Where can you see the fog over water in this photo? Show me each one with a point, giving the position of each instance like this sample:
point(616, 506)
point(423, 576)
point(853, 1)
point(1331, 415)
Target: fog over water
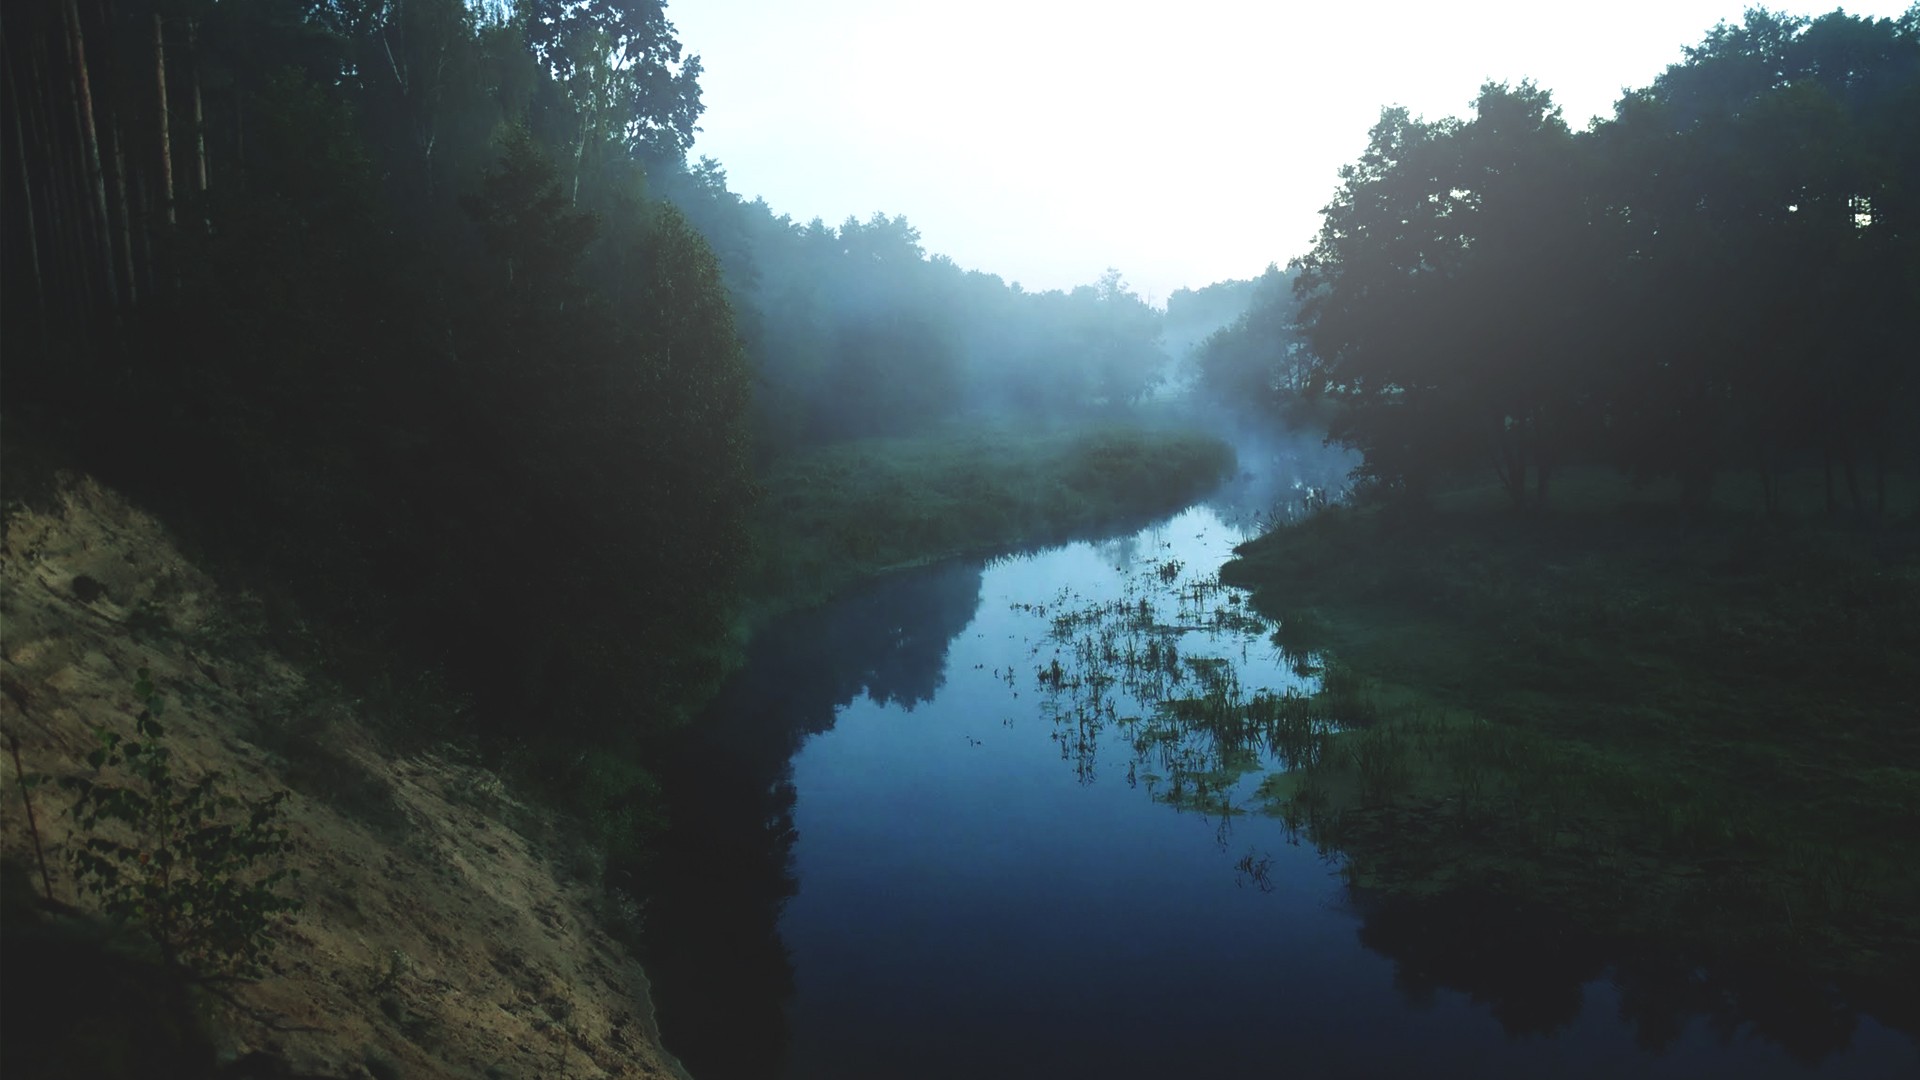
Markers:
point(1039, 538)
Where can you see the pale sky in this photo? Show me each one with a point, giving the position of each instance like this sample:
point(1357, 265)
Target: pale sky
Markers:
point(1181, 141)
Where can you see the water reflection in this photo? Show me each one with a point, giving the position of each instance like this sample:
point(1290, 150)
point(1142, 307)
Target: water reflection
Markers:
point(1284, 477)
point(1533, 972)
point(1025, 843)
point(724, 871)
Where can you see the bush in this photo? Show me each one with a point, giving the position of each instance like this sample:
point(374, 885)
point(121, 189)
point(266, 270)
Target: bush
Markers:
point(192, 867)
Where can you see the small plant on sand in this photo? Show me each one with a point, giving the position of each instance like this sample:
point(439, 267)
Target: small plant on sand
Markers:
point(194, 868)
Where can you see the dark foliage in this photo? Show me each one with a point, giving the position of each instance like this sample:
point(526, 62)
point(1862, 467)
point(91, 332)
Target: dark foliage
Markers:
point(855, 331)
point(371, 302)
point(1726, 275)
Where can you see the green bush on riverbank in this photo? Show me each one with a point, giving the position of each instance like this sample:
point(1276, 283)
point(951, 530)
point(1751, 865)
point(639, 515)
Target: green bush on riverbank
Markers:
point(854, 509)
point(1693, 726)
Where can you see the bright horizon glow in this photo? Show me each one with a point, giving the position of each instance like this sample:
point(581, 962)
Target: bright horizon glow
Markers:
point(1046, 140)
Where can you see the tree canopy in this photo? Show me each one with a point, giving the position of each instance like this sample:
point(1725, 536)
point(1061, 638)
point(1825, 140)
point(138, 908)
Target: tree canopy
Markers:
point(372, 298)
point(856, 330)
point(1723, 274)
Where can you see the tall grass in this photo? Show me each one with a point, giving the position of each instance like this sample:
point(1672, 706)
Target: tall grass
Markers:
point(851, 510)
point(1698, 726)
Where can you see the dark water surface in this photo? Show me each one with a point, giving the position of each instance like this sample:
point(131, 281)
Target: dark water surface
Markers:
point(906, 845)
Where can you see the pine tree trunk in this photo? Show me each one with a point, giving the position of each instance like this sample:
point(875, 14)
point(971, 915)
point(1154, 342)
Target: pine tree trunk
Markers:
point(166, 135)
point(143, 205)
point(199, 115)
point(126, 220)
point(90, 140)
point(43, 135)
point(579, 156)
point(26, 196)
point(81, 218)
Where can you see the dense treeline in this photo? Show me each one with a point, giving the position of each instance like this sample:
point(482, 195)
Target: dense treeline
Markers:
point(855, 331)
point(416, 310)
point(371, 299)
point(1724, 276)
point(1256, 360)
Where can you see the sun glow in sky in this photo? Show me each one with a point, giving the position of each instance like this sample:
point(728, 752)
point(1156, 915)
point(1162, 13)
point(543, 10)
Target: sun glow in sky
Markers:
point(1183, 143)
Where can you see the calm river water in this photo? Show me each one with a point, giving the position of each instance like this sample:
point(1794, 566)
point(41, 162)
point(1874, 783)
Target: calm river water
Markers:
point(906, 845)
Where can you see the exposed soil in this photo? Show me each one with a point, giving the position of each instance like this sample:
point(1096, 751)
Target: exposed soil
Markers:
point(439, 936)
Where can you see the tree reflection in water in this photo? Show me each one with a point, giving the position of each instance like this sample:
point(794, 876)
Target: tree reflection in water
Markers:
point(723, 873)
point(1194, 739)
point(1530, 969)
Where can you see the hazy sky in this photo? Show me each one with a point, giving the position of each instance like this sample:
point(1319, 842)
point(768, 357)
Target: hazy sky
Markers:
point(1182, 142)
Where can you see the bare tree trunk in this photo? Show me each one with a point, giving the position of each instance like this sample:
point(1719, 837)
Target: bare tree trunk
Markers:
point(126, 220)
point(199, 114)
point(143, 205)
point(166, 135)
point(90, 138)
point(26, 196)
point(44, 135)
point(80, 220)
point(579, 156)
point(432, 136)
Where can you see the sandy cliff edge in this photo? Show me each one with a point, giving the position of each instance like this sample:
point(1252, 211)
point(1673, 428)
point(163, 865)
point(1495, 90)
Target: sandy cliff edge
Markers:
point(436, 939)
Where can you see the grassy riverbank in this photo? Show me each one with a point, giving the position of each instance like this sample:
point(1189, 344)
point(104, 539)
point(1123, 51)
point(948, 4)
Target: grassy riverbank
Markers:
point(852, 510)
point(1698, 729)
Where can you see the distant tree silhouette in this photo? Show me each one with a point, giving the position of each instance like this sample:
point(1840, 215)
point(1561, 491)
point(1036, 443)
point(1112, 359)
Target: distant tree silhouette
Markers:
point(1727, 273)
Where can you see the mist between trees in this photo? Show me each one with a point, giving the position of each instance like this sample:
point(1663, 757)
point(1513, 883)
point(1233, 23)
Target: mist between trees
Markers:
point(382, 307)
point(416, 316)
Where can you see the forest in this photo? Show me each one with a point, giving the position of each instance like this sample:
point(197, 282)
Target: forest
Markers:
point(421, 323)
point(417, 315)
point(1721, 278)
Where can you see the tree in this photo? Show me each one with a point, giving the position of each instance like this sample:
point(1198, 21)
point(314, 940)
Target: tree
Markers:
point(1377, 307)
point(1743, 195)
point(622, 67)
point(1723, 274)
point(529, 223)
point(1123, 344)
point(480, 417)
point(1258, 359)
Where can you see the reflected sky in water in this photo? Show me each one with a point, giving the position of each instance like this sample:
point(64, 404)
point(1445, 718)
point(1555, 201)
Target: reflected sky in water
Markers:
point(944, 885)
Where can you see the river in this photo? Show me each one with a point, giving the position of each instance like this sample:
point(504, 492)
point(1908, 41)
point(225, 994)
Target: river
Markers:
point(945, 827)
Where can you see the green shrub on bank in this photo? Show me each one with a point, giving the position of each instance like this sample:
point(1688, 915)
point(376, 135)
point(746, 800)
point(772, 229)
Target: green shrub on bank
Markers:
point(850, 510)
point(192, 867)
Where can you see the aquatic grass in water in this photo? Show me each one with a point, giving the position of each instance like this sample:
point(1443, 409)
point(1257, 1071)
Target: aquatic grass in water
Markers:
point(1379, 757)
point(1415, 792)
point(1004, 856)
point(1168, 653)
point(1197, 746)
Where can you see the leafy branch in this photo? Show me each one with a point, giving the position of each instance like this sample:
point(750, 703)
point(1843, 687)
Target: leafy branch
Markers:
point(195, 868)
